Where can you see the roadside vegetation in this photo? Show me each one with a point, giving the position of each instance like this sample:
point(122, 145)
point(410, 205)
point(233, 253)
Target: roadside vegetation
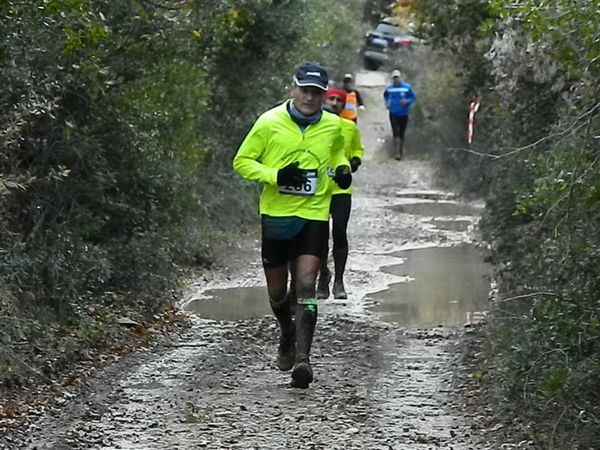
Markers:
point(535, 158)
point(118, 122)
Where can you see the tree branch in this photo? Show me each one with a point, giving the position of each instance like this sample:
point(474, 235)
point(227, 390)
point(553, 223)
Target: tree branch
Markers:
point(524, 296)
point(180, 5)
point(514, 151)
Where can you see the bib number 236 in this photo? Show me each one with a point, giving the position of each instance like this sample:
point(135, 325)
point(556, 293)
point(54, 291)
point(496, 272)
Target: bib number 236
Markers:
point(309, 187)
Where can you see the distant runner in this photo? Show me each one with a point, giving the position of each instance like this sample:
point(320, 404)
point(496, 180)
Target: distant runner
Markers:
point(289, 149)
point(341, 203)
point(353, 99)
point(398, 97)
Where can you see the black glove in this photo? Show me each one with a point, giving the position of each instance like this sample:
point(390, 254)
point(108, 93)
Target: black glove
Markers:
point(355, 162)
point(290, 175)
point(343, 177)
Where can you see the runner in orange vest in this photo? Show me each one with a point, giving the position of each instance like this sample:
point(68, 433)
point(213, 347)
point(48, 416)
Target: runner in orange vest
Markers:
point(353, 99)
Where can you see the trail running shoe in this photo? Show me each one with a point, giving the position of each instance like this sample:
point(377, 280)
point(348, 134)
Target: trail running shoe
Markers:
point(302, 374)
point(286, 352)
point(323, 285)
point(339, 291)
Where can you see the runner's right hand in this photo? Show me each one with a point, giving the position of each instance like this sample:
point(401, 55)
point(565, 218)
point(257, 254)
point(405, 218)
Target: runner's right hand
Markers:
point(291, 175)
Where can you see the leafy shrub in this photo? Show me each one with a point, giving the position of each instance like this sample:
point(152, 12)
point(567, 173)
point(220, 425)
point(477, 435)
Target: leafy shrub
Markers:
point(535, 160)
point(118, 124)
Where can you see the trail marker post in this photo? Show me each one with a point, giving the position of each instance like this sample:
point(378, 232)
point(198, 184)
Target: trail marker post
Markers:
point(473, 108)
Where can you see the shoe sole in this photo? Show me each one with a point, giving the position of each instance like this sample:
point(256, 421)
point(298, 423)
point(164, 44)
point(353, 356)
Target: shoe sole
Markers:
point(301, 376)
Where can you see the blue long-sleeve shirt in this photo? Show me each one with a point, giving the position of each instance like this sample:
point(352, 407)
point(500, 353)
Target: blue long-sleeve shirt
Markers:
point(393, 95)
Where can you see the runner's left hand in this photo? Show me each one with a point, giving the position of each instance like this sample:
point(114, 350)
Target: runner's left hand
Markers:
point(355, 162)
point(343, 177)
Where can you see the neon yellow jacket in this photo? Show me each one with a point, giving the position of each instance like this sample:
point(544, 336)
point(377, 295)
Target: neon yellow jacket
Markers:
point(352, 147)
point(275, 141)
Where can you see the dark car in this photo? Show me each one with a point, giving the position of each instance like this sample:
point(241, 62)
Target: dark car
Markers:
point(380, 42)
point(391, 34)
point(376, 52)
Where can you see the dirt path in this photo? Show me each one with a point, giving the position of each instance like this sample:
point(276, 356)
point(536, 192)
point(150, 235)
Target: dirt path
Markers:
point(377, 385)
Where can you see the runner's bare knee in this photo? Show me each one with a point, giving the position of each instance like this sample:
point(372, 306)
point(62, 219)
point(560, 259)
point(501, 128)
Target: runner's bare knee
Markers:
point(307, 267)
point(277, 283)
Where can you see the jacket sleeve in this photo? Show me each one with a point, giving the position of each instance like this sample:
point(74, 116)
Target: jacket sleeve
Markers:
point(338, 157)
point(411, 96)
point(386, 97)
point(357, 148)
point(247, 162)
point(359, 99)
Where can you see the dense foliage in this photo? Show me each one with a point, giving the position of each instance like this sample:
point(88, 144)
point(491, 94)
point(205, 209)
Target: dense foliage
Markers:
point(118, 121)
point(536, 155)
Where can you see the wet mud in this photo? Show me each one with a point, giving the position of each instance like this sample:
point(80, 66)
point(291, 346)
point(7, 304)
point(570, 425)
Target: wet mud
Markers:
point(385, 371)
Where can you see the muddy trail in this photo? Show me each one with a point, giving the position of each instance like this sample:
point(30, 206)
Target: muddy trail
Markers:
point(385, 360)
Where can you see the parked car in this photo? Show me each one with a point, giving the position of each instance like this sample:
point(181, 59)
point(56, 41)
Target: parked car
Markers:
point(391, 34)
point(375, 52)
point(381, 42)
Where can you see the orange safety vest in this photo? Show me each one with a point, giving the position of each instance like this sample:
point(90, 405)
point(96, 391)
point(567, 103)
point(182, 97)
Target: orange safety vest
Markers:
point(349, 111)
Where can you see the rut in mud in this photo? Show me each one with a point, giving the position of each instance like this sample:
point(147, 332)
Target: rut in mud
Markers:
point(383, 359)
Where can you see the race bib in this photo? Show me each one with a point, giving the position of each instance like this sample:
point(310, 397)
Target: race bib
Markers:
point(309, 187)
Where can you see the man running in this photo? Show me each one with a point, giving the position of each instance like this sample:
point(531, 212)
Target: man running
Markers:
point(341, 202)
point(398, 97)
point(289, 149)
point(353, 99)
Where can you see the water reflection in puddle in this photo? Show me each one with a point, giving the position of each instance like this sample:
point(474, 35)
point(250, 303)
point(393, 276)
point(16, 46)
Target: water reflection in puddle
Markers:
point(451, 225)
point(232, 304)
point(437, 209)
point(448, 283)
point(426, 194)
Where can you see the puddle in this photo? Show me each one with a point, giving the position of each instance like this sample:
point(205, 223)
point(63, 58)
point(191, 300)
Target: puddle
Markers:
point(426, 194)
point(232, 304)
point(437, 209)
point(449, 285)
point(451, 225)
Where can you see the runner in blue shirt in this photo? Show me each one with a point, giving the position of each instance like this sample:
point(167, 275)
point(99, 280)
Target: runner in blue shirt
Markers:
point(398, 97)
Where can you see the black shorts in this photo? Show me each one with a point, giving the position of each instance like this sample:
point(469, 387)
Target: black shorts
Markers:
point(398, 125)
point(308, 241)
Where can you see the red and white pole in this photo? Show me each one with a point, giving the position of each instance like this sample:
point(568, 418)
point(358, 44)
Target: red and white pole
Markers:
point(473, 108)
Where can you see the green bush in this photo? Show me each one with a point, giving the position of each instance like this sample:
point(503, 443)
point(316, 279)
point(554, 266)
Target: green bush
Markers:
point(119, 121)
point(535, 160)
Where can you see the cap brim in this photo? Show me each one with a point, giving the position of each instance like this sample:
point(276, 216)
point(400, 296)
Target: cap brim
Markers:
point(309, 83)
